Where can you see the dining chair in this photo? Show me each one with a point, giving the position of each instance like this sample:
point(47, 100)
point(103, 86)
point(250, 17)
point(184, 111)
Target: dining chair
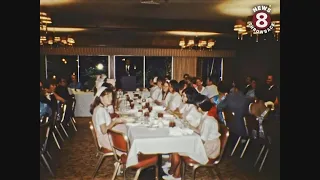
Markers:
point(44, 136)
point(61, 119)
point(229, 116)
point(55, 130)
point(101, 151)
point(212, 163)
point(120, 142)
point(72, 119)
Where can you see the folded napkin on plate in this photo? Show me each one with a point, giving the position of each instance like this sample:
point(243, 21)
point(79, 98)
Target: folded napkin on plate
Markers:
point(158, 108)
point(176, 131)
point(132, 111)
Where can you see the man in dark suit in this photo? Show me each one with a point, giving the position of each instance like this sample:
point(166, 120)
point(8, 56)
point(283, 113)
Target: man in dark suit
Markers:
point(47, 95)
point(272, 91)
point(235, 102)
point(248, 85)
point(129, 69)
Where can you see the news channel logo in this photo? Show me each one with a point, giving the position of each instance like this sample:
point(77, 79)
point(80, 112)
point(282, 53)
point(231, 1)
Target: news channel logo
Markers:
point(261, 22)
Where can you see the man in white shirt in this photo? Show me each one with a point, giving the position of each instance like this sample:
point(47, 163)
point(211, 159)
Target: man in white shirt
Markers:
point(211, 88)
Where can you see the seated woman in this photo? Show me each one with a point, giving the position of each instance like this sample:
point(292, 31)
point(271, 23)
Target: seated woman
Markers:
point(100, 116)
point(165, 95)
point(190, 112)
point(175, 98)
point(156, 91)
point(209, 133)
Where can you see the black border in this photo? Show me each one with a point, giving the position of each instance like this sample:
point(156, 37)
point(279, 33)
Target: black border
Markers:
point(19, 119)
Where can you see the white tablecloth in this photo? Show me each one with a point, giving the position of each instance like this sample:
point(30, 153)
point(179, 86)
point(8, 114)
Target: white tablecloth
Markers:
point(158, 141)
point(84, 99)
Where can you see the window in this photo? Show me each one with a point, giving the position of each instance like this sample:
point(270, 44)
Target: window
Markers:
point(61, 66)
point(157, 66)
point(135, 69)
point(89, 67)
point(42, 67)
point(207, 66)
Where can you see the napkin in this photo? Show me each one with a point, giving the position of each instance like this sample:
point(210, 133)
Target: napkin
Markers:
point(158, 108)
point(132, 111)
point(176, 131)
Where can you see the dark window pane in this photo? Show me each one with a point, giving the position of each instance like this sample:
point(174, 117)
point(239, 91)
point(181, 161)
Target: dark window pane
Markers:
point(208, 66)
point(42, 67)
point(62, 66)
point(90, 66)
point(158, 66)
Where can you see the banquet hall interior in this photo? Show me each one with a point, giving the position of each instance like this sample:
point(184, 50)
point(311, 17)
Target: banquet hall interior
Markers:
point(150, 56)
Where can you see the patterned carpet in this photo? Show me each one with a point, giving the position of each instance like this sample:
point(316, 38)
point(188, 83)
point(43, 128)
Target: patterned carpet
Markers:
point(76, 160)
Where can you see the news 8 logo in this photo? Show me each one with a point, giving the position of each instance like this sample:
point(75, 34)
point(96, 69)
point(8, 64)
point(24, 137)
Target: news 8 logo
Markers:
point(261, 20)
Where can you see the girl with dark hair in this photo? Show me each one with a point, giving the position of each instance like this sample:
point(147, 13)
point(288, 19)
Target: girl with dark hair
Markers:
point(175, 98)
point(189, 111)
point(165, 95)
point(209, 134)
point(101, 118)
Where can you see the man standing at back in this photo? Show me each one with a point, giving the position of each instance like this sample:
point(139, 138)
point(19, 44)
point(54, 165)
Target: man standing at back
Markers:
point(237, 103)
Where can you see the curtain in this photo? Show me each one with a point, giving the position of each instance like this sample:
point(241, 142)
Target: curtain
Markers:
point(184, 65)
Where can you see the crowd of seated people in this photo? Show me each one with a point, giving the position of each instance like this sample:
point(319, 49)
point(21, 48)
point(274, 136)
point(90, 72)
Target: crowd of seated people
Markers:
point(201, 106)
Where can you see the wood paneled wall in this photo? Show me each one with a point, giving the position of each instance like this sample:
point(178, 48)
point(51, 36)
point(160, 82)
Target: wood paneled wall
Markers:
point(135, 52)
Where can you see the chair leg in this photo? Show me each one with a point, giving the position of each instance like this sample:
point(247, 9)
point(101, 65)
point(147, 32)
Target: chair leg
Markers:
point(183, 170)
point(47, 164)
point(194, 172)
point(98, 166)
point(56, 129)
point(235, 147)
point(49, 155)
point(137, 174)
point(56, 140)
point(157, 171)
point(245, 148)
point(264, 158)
point(64, 130)
point(74, 120)
point(260, 153)
point(116, 168)
point(73, 124)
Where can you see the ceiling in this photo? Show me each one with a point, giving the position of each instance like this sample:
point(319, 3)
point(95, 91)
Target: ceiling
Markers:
point(128, 23)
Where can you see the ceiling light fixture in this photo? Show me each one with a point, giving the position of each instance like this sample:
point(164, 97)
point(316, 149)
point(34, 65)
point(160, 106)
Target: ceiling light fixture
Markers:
point(242, 29)
point(49, 37)
point(197, 44)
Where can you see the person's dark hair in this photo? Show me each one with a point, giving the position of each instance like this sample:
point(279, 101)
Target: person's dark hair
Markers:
point(46, 84)
point(168, 77)
point(222, 88)
point(186, 75)
point(175, 85)
point(97, 101)
point(191, 94)
point(182, 83)
point(160, 79)
point(193, 80)
point(203, 102)
point(213, 79)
